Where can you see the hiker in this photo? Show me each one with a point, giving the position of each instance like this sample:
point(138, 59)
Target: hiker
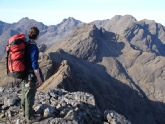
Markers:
point(32, 79)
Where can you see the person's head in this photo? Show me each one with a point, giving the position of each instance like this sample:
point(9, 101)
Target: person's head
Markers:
point(33, 33)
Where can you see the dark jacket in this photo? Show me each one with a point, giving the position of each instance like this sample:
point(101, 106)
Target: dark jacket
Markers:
point(32, 56)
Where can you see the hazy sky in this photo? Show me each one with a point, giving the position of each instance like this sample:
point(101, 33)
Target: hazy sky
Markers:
point(51, 12)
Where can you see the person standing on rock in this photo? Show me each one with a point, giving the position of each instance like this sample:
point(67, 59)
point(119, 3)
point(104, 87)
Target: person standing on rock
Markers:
point(29, 84)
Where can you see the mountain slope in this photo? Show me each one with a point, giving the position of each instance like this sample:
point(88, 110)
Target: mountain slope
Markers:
point(144, 35)
point(49, 35)
point(106, 65)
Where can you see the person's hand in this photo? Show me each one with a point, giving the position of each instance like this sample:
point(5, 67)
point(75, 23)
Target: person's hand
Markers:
point(36, 72)
point(39, 83)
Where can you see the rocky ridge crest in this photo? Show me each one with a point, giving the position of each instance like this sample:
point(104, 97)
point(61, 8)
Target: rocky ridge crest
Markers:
point(56, 106)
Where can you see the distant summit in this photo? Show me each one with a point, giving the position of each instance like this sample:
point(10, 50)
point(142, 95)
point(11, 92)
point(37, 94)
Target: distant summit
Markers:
point(145, 35)
point(68, 24)
point(125, 17)
point(24, 18)
point(48, 34)
point(71, 20)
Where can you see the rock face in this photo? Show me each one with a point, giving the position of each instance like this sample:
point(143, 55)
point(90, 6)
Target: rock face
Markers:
point(109, 93)
point(42, 47)
point(144, 35)
point(125, 78)
point(46, 66)
point(56, 106)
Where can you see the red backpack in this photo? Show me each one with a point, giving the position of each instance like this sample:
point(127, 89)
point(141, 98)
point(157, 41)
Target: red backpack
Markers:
point(15, 56)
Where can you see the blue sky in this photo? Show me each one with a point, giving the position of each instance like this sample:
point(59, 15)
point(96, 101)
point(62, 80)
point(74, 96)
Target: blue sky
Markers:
point(51, 12)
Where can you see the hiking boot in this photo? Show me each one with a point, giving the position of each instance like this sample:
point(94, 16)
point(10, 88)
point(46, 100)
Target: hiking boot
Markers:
point(34, 119)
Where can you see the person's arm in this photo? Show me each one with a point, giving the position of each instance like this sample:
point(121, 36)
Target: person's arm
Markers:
point(36, 72)
point(34, 59)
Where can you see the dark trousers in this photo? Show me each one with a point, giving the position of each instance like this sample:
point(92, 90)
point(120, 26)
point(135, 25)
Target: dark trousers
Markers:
point(28, 97)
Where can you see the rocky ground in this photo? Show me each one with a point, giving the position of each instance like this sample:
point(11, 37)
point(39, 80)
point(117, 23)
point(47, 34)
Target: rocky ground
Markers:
point(56, 106)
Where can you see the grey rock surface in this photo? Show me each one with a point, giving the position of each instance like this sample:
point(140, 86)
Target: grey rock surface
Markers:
point(71, 108)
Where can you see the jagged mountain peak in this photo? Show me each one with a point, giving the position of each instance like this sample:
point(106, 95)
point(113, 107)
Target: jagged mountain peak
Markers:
point(66, 25)
point(31, 22)
point(25, 20)
point(149, 21)
point(122, 22)
point(70, 20)
point(25, 23)
point(85, 27)
point(86, 42)
point(118, 24)
point(84, 33)
point(124, 17)
point(80, 33)
point(145, 35)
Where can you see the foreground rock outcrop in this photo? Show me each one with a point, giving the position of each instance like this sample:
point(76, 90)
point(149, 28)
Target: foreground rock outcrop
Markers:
point(56, 106)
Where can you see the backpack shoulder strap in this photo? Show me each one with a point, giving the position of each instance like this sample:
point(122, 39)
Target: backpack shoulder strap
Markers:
point(30, 43)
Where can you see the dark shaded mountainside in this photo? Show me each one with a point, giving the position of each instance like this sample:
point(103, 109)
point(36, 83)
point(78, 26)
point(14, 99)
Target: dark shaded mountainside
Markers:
point(120, 61)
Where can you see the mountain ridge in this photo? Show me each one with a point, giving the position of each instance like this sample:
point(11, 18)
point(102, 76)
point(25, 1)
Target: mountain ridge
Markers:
point(117, 59)
point(48, 34)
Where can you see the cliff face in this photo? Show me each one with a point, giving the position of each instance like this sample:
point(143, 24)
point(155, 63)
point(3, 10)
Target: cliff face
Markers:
point(144, 35)
point(108, 66)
